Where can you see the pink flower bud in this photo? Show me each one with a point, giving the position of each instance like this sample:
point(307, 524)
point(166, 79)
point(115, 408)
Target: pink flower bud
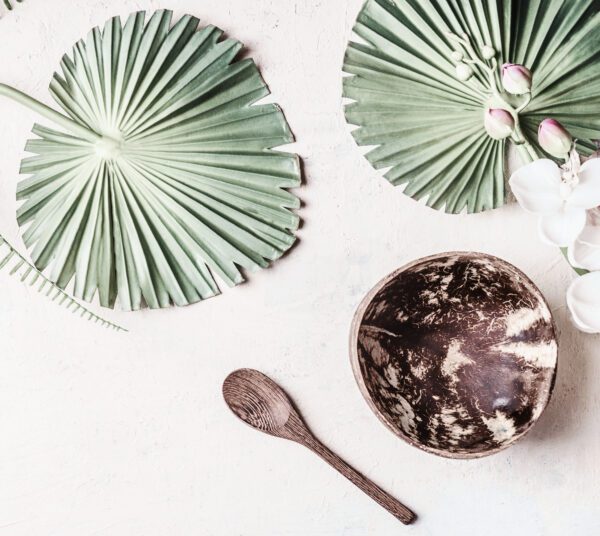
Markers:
point(499, 123)
point(554, 138)
point(516, 79)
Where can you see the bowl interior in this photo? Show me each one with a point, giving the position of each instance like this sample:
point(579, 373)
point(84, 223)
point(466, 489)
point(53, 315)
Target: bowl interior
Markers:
point(456, 353)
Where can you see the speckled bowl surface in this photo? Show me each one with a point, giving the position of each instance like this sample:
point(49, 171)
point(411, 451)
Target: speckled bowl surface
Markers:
point(456, 353)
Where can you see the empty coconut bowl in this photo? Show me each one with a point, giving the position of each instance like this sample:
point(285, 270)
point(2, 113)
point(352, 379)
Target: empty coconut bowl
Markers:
point(456, 353)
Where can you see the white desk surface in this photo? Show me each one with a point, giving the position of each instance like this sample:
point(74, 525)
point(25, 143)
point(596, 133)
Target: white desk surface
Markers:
point(110, 434)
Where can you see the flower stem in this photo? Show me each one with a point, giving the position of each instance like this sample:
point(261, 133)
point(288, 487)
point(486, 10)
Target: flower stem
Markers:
point(524, 153)
point(580, 271)
point(526, 150)
point(525, 103)
point(474, 59)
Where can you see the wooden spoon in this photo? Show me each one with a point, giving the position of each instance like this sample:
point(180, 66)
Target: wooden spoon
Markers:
point(261, 403)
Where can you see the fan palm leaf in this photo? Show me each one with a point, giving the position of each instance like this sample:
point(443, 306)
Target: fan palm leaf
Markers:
point(164, 174)
point(427, 126)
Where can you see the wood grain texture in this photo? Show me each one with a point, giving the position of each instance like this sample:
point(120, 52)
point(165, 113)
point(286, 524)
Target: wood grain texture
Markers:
point(264, 405)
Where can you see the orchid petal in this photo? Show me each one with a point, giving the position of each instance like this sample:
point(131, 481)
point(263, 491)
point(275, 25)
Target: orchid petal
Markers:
point(572, 256)
point(587, 193)
point(562, 228)
point(585, 251)
point(583, 299)
point(537, 187)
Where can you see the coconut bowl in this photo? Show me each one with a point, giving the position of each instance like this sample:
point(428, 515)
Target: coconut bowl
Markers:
point(456, 353)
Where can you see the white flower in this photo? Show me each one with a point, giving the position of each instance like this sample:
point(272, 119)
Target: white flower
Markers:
point(559, 196)
point(585, 251)
point(583, 299)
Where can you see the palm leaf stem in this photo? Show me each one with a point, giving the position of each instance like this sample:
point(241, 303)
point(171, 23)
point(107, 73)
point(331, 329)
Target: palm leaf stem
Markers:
point(48, 113)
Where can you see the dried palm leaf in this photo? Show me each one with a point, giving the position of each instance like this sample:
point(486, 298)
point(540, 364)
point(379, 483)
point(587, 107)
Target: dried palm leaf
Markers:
point(427, 125)
point(28, 274)
point(164, 174)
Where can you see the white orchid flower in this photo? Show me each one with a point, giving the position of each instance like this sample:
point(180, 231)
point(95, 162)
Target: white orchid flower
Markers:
point(560, 196)
point(585, 251)
point(583, 299)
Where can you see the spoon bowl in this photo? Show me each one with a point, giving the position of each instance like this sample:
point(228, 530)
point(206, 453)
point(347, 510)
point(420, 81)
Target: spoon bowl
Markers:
point(259, 401)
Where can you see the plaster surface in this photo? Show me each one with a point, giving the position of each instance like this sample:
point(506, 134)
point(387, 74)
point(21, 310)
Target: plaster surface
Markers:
point(111, 434)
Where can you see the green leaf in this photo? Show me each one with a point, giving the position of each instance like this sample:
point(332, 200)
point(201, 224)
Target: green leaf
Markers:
point(18, 266)
point(166, 175)
point(10, 4)
point(427, 127)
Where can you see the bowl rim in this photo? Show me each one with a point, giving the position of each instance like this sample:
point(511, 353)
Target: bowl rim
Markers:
point(354, 359)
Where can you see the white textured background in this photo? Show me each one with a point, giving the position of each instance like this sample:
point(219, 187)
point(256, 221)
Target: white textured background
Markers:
point(110, 434)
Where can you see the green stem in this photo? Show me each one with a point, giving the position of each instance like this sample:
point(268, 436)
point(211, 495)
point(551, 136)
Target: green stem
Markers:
point(580, 271)
point(525, 103)
point(474, 58)
point(47, 112)
point(524, 153)
point(533, 156)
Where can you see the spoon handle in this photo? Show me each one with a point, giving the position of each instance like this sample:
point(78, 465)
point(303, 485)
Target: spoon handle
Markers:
point(393, 506)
